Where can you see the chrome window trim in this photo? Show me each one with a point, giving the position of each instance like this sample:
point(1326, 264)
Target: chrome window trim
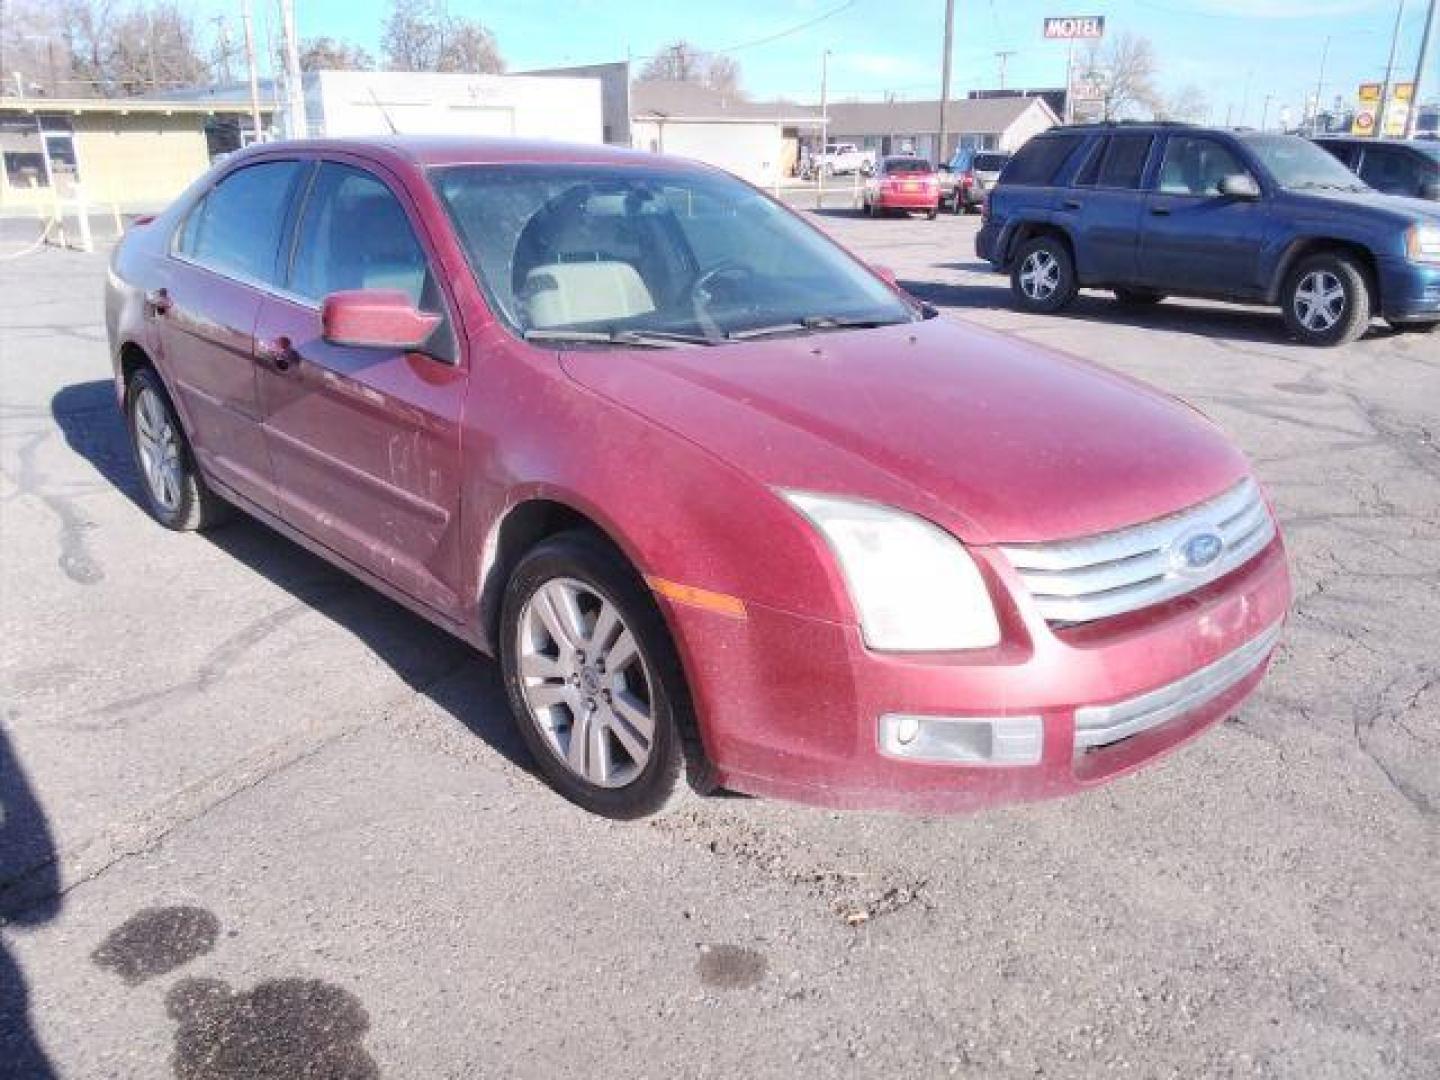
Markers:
point(1102, 725)
point(1097, 577)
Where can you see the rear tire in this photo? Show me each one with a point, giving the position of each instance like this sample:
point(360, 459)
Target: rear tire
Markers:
point(584, 649)
point(1132, 297)
point(171, 487)
point(1326, 300)
point(1042, 278)
point(931, 214)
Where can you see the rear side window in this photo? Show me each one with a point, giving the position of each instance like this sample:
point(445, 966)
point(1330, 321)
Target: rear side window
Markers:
point(236, 228)
point(1124, 161)
point(1040, 159)
point(354, 234)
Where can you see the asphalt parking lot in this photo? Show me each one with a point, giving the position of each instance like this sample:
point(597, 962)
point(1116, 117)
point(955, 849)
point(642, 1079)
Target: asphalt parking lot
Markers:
point(261, 822)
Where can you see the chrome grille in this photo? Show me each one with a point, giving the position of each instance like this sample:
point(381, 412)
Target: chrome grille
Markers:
point(1079, 581)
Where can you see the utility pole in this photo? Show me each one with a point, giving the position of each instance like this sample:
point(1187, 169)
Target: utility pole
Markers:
point(1265, 112)
point(819, 164)
point(1389, 72)
point(257, 133)
point(1003, 55)
point(296, 126)
point(1426, 38)
point(1320, 88)
point(940, 154)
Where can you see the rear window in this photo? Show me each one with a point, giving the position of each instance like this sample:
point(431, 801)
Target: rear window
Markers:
point(1040, 159)
point(899, 165)
point(990, 162)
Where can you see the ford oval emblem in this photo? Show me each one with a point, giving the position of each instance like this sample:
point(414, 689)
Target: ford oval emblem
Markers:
point(1200, 550)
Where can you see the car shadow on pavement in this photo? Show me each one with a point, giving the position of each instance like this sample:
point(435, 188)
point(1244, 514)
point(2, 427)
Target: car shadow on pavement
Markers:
point(430, 661)
point(29, 896)
point(1220, 321)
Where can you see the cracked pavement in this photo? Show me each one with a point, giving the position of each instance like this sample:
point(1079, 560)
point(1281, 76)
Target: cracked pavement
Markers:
point(262, 822)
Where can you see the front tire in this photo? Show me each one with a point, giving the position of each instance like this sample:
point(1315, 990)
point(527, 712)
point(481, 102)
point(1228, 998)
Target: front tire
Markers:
point(594, 680)
point(171, 487)
point(1043, 276)
point(1326, 300)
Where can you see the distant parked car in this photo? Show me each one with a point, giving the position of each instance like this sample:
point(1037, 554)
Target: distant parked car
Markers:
point(967, 176)
point(1396, 168)
point(1153, 209)
point(903, 183)
point(841, 159)
point(722, 499)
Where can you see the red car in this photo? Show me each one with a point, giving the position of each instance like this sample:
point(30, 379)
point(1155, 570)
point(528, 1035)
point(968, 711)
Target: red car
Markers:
point(903, 183)
point(720, 498)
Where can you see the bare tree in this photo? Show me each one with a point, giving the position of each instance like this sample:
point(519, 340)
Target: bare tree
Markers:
point(154, 48)
point(681, 61)
point(1189, 104)
point(333, 54)
point(1123, 72)
point(468, 45)
point(420, 36)
point(34, 53)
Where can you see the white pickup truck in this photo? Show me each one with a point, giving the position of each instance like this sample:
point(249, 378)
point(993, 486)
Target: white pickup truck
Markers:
point(840, 159)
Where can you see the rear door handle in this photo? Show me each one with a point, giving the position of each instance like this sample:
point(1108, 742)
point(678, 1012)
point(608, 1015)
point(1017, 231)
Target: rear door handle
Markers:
point(158, 301)
point(1160, 211)
point(1070, 204)
point(279, 354)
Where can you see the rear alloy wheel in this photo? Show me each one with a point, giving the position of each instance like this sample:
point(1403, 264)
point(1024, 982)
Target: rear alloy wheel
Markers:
point(173, 489)
point(1326, 300)
point(1138, 297)
point(1043, 276)
point(594, 680)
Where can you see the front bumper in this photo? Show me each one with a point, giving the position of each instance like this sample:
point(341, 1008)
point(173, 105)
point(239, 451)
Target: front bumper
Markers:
point(1409, 291)
point(791, 707)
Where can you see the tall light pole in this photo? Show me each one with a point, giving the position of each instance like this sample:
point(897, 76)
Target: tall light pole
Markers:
point(255, 130)
point(945, 77)
point(1425, 40)
point(1320, 88)
point(824, 129)
point(296, 126)
point(1390, 71)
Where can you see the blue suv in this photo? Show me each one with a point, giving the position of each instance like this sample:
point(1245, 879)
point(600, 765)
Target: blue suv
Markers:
point(1150, 210)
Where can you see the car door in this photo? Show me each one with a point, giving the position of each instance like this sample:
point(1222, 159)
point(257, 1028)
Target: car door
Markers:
point(1105, 201)
point(223, 256)
point(365, 441)
point(1193, 238)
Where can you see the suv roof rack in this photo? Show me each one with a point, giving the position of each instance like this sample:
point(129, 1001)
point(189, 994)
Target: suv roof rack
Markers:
point(1105, 124)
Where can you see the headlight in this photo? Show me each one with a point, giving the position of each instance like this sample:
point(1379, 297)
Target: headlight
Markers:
point(1422, 243)
point(914, 585)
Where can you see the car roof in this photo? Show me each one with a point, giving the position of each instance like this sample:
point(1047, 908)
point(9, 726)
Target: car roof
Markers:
point(430, 150)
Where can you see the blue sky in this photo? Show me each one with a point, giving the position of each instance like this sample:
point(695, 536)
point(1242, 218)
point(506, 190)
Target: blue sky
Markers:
point(1271, 47)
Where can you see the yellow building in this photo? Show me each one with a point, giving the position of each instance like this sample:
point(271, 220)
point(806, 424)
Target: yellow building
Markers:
point(129, 153)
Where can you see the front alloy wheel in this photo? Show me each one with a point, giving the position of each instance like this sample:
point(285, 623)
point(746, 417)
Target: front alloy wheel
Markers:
point(594, 680)
point(1326, 300)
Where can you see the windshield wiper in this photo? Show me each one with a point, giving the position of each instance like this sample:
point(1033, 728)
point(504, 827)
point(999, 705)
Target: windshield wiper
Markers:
point(641, 339)
point(810, 323)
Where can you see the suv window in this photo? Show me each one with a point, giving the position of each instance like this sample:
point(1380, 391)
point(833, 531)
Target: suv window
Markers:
point(1125, 161)
point(236, 228)
point(354, 234)
point(1195, 166)
point(1392, 171)
point(1040, 159)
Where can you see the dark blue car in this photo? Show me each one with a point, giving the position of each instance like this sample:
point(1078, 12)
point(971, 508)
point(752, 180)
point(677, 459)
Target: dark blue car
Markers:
point(1150, 210)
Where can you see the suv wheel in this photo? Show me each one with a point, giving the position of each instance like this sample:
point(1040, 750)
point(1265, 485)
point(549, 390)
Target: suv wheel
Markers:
point(174, 491)
point(594, 680)
point(1326, 300)
point(1043, 276)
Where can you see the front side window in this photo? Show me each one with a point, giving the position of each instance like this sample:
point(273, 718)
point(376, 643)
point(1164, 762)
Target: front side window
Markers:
point(354, 234)
point(1196, 166)
point(236, 228)
point(617, 249)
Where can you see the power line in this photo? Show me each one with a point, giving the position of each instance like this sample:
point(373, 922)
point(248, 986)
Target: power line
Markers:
point(792, 30)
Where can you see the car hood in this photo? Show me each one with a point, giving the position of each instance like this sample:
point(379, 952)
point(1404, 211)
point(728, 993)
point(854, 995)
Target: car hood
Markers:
point(1000, 440)
point(1401, 210)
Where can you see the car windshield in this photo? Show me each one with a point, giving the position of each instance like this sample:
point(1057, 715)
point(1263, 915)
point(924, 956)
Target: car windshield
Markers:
point(1300, 165)
point(644, 256)
point(907, 165)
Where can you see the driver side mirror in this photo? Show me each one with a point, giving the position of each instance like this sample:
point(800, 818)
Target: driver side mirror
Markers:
point(376, 319)
point(1240, 186)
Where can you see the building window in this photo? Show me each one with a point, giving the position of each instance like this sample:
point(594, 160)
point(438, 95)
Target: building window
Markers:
point(25, 169)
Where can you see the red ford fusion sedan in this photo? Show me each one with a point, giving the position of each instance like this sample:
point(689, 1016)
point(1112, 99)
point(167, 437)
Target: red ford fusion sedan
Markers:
point(903, 183)
point(729, 507)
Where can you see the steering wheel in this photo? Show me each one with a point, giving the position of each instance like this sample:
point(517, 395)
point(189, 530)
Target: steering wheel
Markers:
point(700, 294)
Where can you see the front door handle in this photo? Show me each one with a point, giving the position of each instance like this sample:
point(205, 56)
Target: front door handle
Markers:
point(1160, 211)
point(279, 354)
point(1070, 204)
point(158, 301)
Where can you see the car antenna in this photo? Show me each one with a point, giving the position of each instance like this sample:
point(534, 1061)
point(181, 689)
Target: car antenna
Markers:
point(389, 120)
